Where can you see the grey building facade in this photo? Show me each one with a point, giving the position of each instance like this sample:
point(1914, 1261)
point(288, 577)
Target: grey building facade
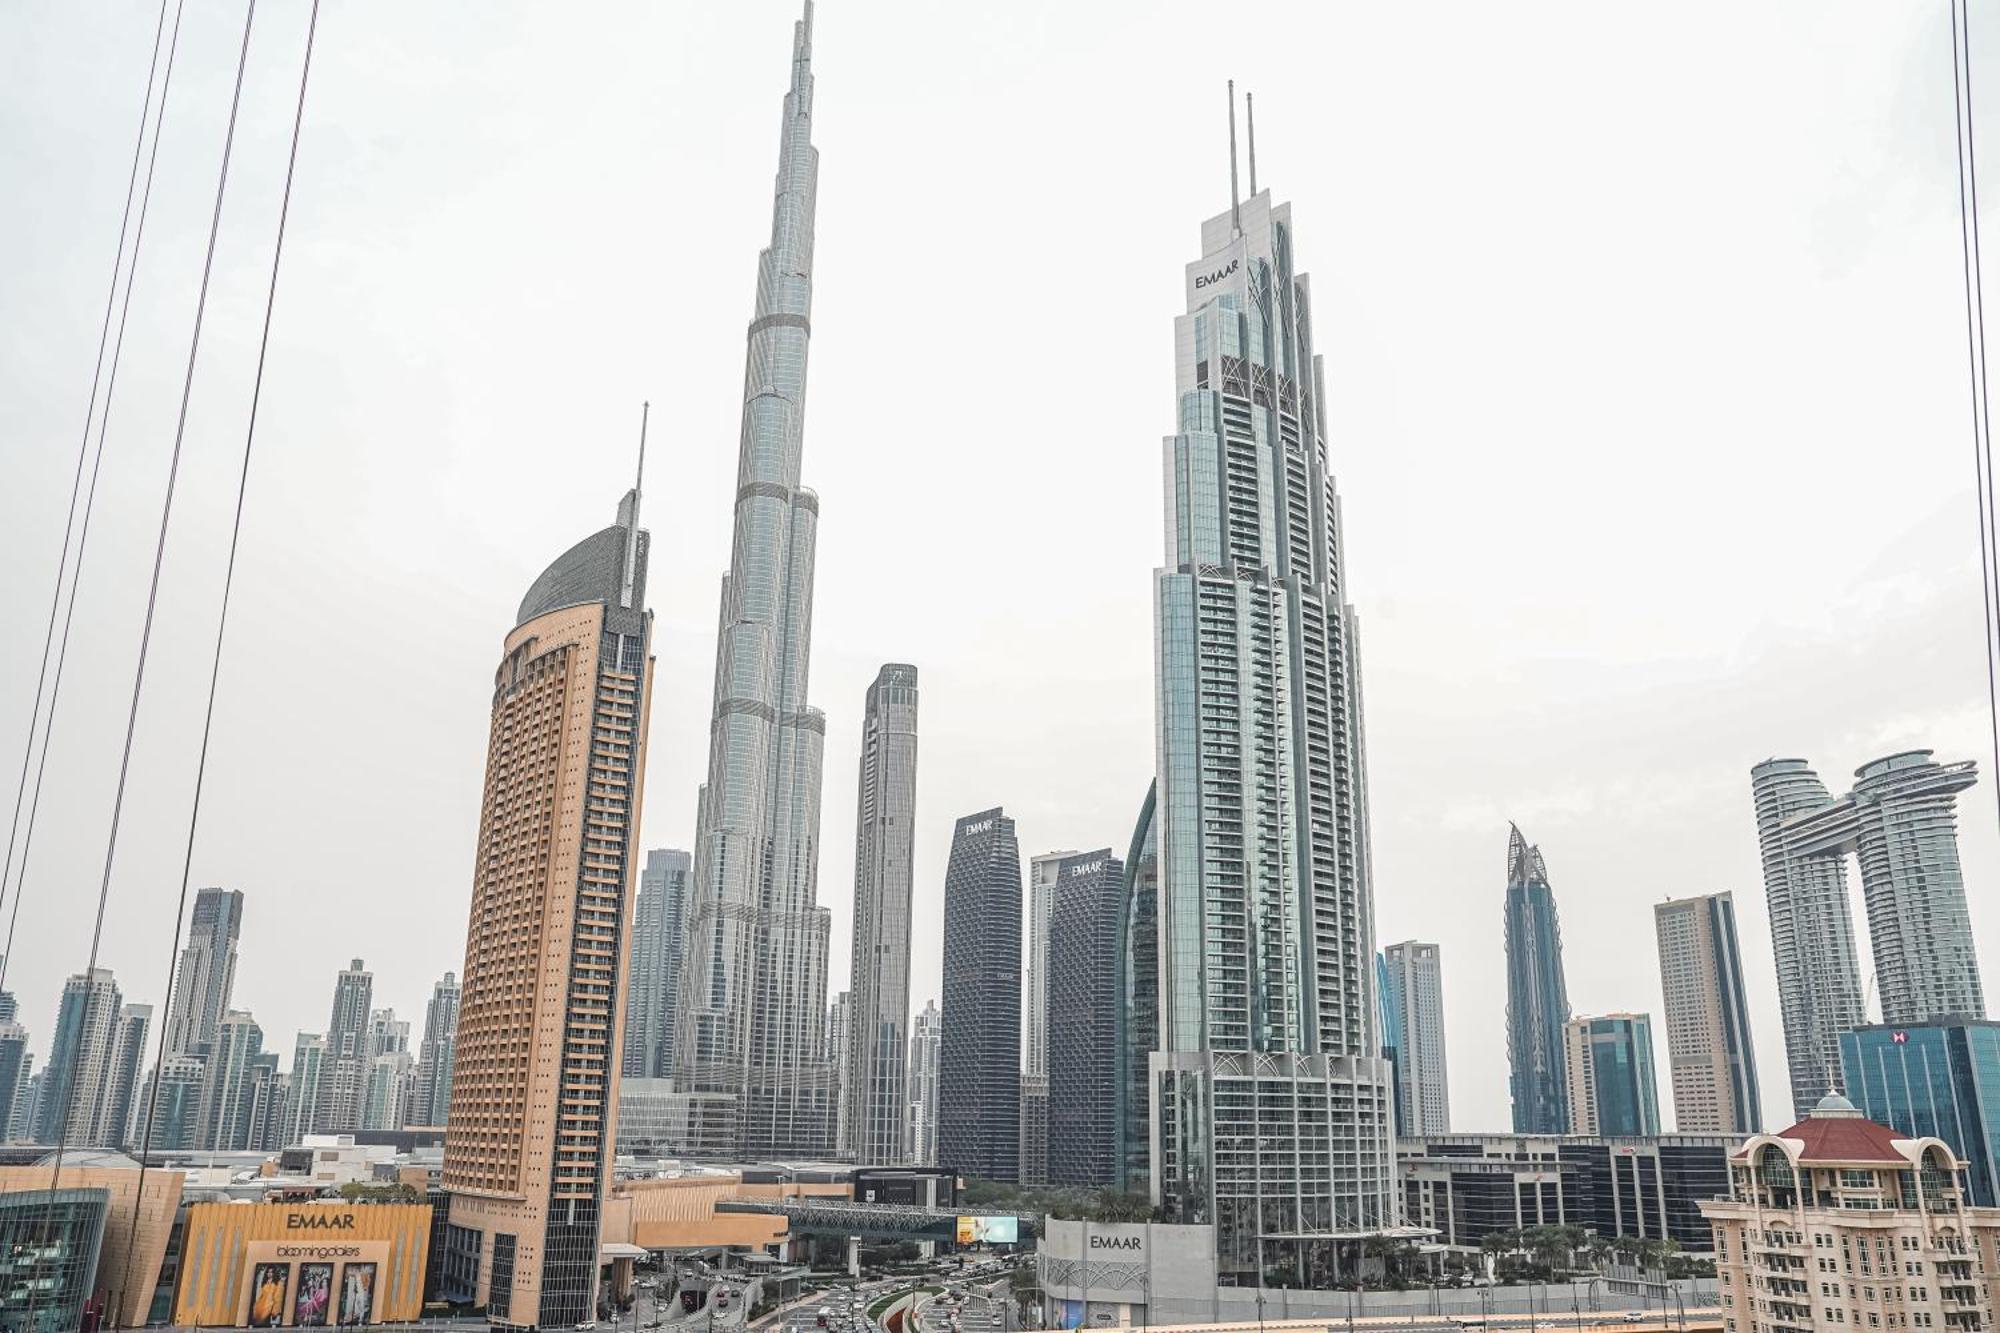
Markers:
point(1085, 931)
point(877, 1100)
point(979, 1042)
point(1138, 1010)
point(205, 974)
point(1899, 822)
point(431, 1104)
point(653, 986)
point(753, 1001)
point(79, 1083)
point(1537, 994)
point(1267, 1027)
point(925, 1030)
point(1414, 1000)
point(343, 1080)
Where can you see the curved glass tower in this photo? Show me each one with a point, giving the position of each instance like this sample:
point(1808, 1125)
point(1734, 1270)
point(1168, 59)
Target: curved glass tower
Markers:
point(1537, 995)
point(1270, 1100)
point(753, 1000)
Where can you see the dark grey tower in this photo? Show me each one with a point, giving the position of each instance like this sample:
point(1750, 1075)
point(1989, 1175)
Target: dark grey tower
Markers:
point(879, 977)
point(1085, 928)
point(1537, 995)
point(979, 1048)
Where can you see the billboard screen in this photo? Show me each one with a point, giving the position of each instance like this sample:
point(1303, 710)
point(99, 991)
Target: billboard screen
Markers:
point(315, 1298)
point(357, 1293)
point(989, 1230)
point(267, 1295)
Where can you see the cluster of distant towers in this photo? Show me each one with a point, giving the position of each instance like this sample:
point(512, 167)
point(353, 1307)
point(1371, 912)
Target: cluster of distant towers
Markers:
point(1898, 824)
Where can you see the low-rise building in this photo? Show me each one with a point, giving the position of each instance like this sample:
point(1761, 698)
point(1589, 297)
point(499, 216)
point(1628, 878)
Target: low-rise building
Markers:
point(1467, 1187)
point(1841, 1225)
point(317, 1263)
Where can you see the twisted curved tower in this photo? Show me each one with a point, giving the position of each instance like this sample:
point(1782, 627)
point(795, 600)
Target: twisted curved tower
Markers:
point(753, 992)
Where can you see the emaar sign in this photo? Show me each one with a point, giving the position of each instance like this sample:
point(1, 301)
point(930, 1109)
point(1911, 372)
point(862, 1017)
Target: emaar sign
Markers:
point(1114, 1242)
point(1211, 276)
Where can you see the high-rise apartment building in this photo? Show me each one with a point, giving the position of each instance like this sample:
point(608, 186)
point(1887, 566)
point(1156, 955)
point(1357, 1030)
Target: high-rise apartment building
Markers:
point(387, 1034)
point(16, 1064)
point(303, 1096)
point(231, 1096)
point(1138, 1011)
point(174, 1106)
point(1267, 985)
point(79, 1083)
point(392, 1087)
point(1085, 931)
point(1414, 1000)
point(652, 991)
point(1537, 994)
point(205, 973)
point(838, 1019)
point(1044, 874)
point(1608, 1073)
point(128, 1074)
point(1938, 1079)
point(431, 1098)
point(1709, 1055)
point(979, 1045)
point(343, 1079)
point(1840, 1224)
point(879, 975)
point(921, 1144)
point(537, 1059)
point(1900, 824)
point(753, 997)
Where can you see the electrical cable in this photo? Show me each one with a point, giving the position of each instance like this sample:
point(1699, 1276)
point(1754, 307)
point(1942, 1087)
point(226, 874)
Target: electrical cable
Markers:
point(90, 502)
point(65, 1093)
point(83, 445)
point(1971, 262)
point(222, 620)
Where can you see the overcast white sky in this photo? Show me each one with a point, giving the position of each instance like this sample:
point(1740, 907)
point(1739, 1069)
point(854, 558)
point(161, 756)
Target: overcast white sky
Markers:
point(1649, 408)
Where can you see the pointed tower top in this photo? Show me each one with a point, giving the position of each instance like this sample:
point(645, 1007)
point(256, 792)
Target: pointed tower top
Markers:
point(1524, 862)
point(802, 48)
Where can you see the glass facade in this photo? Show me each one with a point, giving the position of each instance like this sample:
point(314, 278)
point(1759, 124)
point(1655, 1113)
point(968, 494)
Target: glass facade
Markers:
point(49, 1244)
point(753, 999)
point(1933, 1080)
point(1609, 1066)
point(1900, 824)
point(979, 1041)
point(1085, 926)
point(1537, 994)
point(1271, 1103)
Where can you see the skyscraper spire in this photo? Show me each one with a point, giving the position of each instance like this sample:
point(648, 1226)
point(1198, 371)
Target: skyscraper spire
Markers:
point(753, 995)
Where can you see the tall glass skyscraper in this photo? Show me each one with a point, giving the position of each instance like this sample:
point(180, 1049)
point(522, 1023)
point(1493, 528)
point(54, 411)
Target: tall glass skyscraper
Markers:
point(1414, 1005)
point(979, 1043)
point(1138, 993)
point(879, 978)
point(1085, 928)
point(1267, 986)
point(653, 987)
point(1608, 1070)
point(1940, 1078)
point(205, 973)
point(1537, 994)
point(1900, 824)
point(753, 998)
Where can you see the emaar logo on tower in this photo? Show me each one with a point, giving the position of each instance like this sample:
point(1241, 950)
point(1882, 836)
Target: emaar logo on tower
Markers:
point(1212, 275)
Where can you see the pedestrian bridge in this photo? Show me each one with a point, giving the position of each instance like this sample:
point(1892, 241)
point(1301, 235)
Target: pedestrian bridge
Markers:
point(871, 1221)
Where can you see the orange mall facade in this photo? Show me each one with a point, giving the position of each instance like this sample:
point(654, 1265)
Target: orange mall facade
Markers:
point(302, 1265)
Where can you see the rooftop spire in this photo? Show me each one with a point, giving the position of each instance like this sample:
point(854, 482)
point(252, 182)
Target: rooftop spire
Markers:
point(1235, 212)
point(628, 516)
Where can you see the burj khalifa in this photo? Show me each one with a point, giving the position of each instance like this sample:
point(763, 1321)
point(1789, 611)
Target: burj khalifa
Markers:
point(751, 1045)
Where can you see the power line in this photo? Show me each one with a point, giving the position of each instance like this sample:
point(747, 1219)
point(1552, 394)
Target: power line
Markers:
point(90, 414)
point(222, 620)
point(66, 1091)
point(1975, 352)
